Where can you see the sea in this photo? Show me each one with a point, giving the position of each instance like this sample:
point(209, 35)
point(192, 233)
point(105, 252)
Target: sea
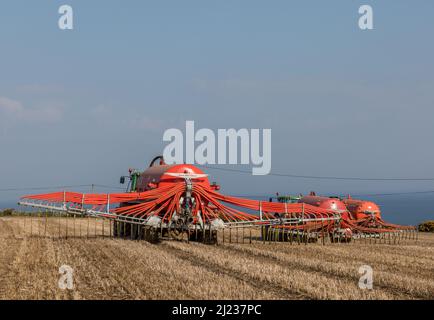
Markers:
point(406, 209)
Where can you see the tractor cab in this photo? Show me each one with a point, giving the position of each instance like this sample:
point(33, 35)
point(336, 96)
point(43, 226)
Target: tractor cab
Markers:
point(132, 177)
point(288, 198)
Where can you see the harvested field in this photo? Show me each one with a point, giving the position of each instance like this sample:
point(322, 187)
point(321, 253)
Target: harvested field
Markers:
point(104, 268)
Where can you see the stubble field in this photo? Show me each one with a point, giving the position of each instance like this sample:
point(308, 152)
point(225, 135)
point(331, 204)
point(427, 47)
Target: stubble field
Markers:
point(31, 253)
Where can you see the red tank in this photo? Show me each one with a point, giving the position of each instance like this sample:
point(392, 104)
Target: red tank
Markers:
point(328, 203)
point(162, 175)
point(362, 209)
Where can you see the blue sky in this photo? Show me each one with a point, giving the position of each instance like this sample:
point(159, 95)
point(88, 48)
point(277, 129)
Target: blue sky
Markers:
point(82, 106)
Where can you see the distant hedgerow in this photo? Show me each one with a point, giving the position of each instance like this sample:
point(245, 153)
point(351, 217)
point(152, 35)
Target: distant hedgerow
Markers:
point(427, 226)
point(7, 212)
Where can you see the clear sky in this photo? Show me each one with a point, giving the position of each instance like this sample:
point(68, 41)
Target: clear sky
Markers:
point(82, 106)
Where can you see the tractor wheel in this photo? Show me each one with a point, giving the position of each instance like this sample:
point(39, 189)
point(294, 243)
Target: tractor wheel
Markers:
point(151, 235)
